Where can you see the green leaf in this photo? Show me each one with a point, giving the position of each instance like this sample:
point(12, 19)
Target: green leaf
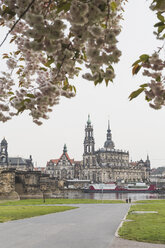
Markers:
point(103, 26)
point(160, 29)
point(30, 95)
point(63, 7)
point(11, 98)
point(7, 10)
point(17, 52)
point(74, 88)
point(10, 93)
point(136, 62)
point(106, 82)
point(5, 57)
point(13, 39)
point(158, 79)
point(49, 61)
point(4, 7)
point(111, 67)
point(65, 87)
point(99, 80)
point(27, 100)
point(78, 68)
point(160, 17)
point(58, 65)
point(135, 93)
point(96, 82)
point(43, 69)
point(159, 24)
point(113, 6)
point(21, 109)
point(136, 69)
point(19, 71)
point(143, 85)
point(66, 82)
point(144, 57)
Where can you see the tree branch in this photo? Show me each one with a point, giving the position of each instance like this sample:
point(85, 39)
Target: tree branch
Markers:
point(107, 14)
point(25, 11)
point(47, 7)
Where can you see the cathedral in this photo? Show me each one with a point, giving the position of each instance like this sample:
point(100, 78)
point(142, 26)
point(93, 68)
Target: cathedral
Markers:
point(107, 164)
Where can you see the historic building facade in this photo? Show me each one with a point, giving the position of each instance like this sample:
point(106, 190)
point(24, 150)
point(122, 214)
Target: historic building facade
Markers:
point(109, 164)
point(62, 168)
point(104, 165)
point(18, 163)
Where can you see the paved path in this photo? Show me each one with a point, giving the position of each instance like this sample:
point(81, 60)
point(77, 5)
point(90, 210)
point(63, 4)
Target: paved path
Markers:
point(123, 243)
point(89, 226)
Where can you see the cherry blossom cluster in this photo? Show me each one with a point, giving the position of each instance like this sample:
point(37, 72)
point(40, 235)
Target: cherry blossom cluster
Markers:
point(154, 66)
point(53, 38)
point(155, 92)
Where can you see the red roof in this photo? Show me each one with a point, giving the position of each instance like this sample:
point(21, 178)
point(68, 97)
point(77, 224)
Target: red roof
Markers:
point(55, 161)
point(133, 163)
point(71, 160)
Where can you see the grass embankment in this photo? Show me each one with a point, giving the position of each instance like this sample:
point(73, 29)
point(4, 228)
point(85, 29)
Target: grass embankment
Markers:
point(148, 227)
point(57, 201)
point(8, 213)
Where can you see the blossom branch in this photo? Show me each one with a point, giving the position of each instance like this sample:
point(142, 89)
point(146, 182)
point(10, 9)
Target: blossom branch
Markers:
point(24, 12)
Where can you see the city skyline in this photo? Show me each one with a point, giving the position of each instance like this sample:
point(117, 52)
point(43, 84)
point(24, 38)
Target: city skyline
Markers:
point(96, 148)
point(135, 126)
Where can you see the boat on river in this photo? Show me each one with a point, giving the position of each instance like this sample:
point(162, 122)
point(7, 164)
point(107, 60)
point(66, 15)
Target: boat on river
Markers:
point(137, 187)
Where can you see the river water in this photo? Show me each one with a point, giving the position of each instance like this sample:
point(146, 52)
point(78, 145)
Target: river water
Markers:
point(115, 196)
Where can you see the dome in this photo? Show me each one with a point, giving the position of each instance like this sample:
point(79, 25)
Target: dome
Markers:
point(109, 144)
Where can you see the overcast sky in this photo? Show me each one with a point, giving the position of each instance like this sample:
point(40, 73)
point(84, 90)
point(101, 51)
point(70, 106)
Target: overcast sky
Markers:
point(135, 126)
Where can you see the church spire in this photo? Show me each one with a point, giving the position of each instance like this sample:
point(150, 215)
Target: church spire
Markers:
point(108, 125)
point(65, 149)
point(109, 143)
point(89, 120)
point(148, 157)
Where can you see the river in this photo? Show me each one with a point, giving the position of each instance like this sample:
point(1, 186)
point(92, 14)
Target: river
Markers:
point(115, 196)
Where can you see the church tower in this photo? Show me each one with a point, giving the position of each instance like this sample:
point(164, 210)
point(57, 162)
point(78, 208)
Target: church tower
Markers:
point(3, 152)
point(109, 144)
point(148, 164)
point(89, 145)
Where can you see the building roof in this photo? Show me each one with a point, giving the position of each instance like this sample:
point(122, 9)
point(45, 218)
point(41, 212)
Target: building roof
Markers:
point(56, 161)
point(158, 170)
point(19, 161)
point(133, 163)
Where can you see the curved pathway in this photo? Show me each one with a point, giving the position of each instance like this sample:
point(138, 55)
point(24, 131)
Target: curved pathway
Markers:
point(89, 226)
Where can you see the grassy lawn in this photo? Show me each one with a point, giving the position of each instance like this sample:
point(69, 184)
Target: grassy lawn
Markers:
point(152, 201)
point(57, 201)
point(8, 213)
point(145, 227)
